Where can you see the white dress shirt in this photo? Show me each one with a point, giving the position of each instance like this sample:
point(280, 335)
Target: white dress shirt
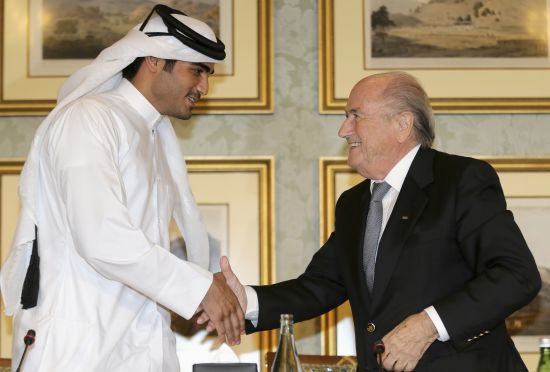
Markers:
point(395, 179)
point(107, 276)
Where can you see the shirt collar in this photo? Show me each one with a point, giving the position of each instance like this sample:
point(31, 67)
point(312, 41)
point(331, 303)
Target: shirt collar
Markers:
point(139, 103)
point(397, 174)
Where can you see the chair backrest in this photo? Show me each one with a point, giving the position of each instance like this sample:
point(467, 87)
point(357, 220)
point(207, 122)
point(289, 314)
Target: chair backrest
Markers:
point(5, 365)
point(335, 362)
point(222, 367)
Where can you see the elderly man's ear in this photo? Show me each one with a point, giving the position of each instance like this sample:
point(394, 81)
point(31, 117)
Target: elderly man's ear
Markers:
point(405, 124)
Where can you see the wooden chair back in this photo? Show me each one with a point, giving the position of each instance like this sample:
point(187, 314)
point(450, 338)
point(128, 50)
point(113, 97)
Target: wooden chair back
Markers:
point(5, 365)
point(312, 362)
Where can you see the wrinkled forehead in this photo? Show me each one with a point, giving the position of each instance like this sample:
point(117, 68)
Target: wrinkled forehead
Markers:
point(367, 93)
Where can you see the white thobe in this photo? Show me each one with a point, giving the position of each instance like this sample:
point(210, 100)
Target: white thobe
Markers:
point(106, 200)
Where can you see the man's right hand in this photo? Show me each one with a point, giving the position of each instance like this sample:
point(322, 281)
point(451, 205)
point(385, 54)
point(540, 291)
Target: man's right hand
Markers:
point(223, 311)
point(235, 285)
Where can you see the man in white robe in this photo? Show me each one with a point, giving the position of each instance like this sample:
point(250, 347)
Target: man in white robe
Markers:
point(102, 181)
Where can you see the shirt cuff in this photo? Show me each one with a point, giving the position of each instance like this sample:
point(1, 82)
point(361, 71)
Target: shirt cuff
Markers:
point(252, 307)
point(436, 320)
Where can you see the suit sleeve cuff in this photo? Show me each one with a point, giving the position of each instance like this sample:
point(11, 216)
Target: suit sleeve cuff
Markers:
point(436, 320)
point(252, 307)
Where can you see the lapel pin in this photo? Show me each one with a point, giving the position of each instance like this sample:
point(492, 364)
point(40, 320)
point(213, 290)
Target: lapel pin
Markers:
point(404, 217)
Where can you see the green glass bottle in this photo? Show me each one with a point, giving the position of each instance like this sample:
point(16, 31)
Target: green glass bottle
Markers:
point(286, 358)
point(544, 362)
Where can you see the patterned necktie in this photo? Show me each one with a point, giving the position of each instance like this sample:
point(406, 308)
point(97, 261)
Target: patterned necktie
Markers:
point(372, 231)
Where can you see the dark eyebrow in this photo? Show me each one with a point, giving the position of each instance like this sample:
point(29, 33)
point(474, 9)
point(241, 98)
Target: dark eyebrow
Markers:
point(204, 67)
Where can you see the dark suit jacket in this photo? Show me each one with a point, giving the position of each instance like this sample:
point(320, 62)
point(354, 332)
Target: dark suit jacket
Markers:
point(449, 242)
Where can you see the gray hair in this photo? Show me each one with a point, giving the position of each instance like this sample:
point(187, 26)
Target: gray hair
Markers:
point(404, 93)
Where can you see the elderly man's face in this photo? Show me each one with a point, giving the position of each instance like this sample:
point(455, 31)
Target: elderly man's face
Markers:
point(370, 132)
point(179, 90)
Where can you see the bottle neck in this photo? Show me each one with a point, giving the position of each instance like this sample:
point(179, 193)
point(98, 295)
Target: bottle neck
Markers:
point(286, 359)
point(287, 328)
point(544, 361)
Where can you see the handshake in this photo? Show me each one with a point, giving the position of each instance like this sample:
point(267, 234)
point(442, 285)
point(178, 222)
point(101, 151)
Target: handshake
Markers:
point(224, 305)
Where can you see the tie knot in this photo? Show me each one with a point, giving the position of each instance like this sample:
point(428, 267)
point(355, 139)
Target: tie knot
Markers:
point(379, 189)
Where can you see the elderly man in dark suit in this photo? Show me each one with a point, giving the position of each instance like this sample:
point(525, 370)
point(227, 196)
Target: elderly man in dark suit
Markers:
point(424, 249)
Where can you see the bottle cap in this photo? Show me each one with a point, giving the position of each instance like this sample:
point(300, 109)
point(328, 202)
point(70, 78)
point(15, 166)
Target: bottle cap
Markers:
point(287, 317)
point(544, 342)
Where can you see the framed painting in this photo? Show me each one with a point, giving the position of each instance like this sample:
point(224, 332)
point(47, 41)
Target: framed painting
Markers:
point(526, 185)
point(64, 35)
point(44, 41)
point(469, 56)
point(236, 199)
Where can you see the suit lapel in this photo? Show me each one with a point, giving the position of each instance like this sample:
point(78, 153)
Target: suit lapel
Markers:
point(408, 208)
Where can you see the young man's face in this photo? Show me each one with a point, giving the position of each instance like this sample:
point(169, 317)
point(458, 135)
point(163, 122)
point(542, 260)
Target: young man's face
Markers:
point(177, 91)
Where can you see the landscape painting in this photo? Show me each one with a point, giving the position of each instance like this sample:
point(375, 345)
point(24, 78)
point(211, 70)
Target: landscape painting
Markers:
point(67, 34)
point(456, 33)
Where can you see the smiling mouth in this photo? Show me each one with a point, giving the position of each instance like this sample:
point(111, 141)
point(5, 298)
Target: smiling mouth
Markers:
point(193, 99)
point(354, 144)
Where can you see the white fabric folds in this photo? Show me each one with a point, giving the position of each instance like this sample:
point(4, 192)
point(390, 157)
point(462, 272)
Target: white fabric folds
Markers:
point(103, 74)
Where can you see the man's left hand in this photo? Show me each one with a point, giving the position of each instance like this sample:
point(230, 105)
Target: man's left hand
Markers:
point(406, 343)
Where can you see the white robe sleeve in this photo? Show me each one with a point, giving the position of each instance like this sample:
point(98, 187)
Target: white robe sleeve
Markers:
point(85, 155)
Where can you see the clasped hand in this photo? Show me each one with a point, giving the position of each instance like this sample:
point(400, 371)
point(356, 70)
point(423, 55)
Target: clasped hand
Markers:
point(407, 342)
point(224, 305)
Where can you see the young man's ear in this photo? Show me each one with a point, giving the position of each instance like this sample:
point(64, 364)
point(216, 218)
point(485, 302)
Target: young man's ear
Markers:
point(153, 64)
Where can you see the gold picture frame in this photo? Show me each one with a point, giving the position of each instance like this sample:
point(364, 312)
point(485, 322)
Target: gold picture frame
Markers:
point(451, 90)
point(525, 181)
point(248, 89)
point(244, 184)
